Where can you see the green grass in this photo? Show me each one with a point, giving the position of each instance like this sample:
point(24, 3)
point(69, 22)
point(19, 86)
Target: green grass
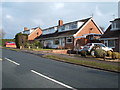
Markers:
point(41, 49)
point(85, 62)
point(11, 49)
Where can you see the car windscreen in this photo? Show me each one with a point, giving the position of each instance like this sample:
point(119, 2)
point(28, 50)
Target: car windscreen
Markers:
point(101, 45)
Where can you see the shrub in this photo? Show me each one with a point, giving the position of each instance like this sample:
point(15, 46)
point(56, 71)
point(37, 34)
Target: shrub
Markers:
point(83, 53)
point(3, 41)
point(115, 55)
point(100, 53)
point(109, 53)
point(37, 44)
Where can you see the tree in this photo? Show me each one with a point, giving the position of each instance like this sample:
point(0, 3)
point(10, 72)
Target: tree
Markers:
point(2, 33)
point(21, 40)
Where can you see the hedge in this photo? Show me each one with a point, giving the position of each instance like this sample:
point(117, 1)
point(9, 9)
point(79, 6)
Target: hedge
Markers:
point(3, 41)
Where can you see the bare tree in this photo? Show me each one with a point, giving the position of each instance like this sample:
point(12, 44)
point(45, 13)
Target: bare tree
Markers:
point(2, 33)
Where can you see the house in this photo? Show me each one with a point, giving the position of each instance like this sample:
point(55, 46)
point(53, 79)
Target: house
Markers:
point(111, 37)
point(66, 35)
point(32, 33)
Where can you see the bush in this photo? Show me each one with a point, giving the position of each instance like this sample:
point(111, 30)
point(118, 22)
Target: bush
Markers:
point(37, 44)
point(83, 53)
point(115, 55)
point(34, 44)
point(109, 53)
point(100, 53)
point(3, 41)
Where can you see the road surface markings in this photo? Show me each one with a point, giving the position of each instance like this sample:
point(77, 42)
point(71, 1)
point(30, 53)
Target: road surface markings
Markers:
point(12, 61)
point(53, 80)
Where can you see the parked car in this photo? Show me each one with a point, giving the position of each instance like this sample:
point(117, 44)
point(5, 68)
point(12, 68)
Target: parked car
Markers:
point(10, 43)
point(89, 47)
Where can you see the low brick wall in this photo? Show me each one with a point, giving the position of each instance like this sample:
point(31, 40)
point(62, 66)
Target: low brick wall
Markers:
point(12, 46)
point(60, 51)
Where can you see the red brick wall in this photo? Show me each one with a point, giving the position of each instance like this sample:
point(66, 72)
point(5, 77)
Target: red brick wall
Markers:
point(69, 45)
point(60, 51)
point(86, 29)
point(35, 34)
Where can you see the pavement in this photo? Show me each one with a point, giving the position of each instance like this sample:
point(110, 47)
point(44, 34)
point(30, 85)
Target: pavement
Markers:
point(24, 70)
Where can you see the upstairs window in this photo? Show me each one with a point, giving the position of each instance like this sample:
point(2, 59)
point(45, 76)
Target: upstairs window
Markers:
point(73, 25)
point(115, 25)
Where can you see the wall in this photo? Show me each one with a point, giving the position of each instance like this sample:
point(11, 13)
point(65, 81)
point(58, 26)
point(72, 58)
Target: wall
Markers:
point(60, 51)
point(69, 45)
point(86, 29)
point(35, 34)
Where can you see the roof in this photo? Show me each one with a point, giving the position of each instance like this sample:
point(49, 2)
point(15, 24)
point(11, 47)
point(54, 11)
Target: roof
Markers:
point(82, 20)
point(57, 34)
point(111, 34)
point(31, 29)
point(65, 33)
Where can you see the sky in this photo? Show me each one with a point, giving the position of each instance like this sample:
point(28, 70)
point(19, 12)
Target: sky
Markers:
point(17, 15)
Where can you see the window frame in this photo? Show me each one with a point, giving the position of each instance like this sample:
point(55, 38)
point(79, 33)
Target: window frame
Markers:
point(69, 38)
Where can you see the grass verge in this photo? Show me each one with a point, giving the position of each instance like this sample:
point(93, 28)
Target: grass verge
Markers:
point(93, 64)
point(11, 49)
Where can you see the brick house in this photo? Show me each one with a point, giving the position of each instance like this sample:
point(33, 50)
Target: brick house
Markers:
point(111, 37)
point(66, 35)
point(32, 33)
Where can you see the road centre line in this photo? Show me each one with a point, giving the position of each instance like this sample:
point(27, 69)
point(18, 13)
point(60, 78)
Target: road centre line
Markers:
point(12, 61)
point(53, 80)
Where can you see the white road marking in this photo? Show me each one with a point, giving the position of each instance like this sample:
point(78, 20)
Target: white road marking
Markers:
point(53, 80)
point(12, 61)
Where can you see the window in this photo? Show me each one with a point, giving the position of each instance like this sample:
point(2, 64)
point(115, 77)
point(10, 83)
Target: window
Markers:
point(69, 40)
point(37, 33)
point(115, 25)
point(106, 42)
point(56, 42)
point(111, 43)
point(73, 25)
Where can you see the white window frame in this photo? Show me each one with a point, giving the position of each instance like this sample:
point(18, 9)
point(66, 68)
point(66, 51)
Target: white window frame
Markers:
point(106, 41)
point(69, 38)
point(114, 43)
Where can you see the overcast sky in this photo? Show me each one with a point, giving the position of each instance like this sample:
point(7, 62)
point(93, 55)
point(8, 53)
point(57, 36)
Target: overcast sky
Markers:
point(17, 15)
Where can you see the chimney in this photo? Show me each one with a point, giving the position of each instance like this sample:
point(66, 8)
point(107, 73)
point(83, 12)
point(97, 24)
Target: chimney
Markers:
point(25, 28)
point(60, 22)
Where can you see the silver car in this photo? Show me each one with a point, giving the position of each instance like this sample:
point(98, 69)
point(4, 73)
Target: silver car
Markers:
point(89, 47)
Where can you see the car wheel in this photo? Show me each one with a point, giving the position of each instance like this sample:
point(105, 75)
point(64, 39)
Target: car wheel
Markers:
point(93, 53)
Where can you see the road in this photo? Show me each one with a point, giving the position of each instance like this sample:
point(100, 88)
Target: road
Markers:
point(23, 70)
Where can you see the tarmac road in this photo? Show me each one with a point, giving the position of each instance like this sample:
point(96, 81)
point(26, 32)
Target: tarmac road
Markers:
point(23, 70)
